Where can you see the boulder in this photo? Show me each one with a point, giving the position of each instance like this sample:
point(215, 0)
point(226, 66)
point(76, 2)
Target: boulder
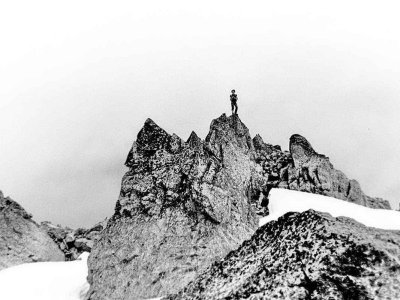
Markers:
point(83, 245)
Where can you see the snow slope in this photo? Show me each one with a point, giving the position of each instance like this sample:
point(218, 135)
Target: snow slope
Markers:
point(282, 201)
point(45, 281)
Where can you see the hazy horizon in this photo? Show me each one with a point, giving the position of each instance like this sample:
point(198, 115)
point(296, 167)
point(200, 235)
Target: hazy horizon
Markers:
point(79, 80)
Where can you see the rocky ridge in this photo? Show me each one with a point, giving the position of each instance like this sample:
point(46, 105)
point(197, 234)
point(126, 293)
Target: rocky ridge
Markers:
point(308, 255)
point(303, 169)
point(184, 205)
point(21, 238)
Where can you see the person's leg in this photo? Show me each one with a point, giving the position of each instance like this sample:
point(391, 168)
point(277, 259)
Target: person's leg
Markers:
point(236, 108)
point(232, 107)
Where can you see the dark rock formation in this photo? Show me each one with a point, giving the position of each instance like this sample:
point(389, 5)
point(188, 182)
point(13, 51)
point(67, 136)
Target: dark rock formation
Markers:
point(184, 205)
point(312, 172)
point(303, 169)
point(73, 242)
point(181, 207)
point(21, 239)
point(307, 255)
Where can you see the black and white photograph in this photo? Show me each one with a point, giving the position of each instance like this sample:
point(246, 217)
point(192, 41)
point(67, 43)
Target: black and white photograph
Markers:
point(199, 150)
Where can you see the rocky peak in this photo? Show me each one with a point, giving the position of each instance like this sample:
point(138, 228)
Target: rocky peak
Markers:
point(229, 131)
point(151, 138)
point(194, 141)
point(184, 205)
point(258, 142)
point(181, 202)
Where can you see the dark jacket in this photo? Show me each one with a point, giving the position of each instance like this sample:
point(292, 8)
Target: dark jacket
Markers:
point(234, 98)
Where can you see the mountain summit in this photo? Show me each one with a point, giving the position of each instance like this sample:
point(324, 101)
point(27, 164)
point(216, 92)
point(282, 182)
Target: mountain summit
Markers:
point(184, 205)
point(181, 207)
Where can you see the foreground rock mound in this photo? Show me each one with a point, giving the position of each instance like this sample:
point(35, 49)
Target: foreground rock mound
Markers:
point(182, 206)
point(21, 239)
point(307, 255)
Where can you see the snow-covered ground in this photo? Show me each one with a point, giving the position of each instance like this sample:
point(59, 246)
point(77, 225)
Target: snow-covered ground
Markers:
point(282, 201)
point(45, 281)
point(67, 280)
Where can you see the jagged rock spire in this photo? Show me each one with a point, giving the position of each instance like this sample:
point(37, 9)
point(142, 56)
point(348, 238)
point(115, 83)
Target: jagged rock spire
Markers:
point(194, 141)
point(179, 204)
point(152, 137)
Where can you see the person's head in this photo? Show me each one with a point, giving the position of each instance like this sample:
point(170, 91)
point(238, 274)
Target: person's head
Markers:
point(233, 91)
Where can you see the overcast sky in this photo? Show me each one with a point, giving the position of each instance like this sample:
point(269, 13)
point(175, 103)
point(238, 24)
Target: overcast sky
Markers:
point(79, 78)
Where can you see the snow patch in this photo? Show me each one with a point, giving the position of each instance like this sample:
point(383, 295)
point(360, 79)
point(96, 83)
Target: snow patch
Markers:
point(282, 201)
point(45, 280)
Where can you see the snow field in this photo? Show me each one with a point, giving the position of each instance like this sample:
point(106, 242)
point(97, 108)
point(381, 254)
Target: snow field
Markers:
point(45, 280)
point(282, 201)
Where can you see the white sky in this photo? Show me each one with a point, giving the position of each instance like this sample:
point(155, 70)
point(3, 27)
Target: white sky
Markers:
point(79, 78)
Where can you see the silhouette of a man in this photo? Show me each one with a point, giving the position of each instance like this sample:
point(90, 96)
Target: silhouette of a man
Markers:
point(234, 99)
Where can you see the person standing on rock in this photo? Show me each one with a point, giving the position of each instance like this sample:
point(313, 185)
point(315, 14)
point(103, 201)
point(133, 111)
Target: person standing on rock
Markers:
point(234, 99)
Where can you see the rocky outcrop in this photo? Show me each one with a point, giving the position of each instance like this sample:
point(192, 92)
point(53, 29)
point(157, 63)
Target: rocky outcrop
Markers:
point(181, 207)
point(73, 242)
point(307, 255)
point(21, 239)
point(303, 169)
point(313, 172)
point(184, 205)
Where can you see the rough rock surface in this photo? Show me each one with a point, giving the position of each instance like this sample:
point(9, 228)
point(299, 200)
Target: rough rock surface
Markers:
point(21, 239)
point(184, 205)
point(313, 172)
point(303, 169)
point(308, 255)
point(74, 242)
point(181, 207)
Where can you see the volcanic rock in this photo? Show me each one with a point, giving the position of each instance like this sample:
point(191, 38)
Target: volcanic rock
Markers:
point(21, 239)
point(308, 255)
